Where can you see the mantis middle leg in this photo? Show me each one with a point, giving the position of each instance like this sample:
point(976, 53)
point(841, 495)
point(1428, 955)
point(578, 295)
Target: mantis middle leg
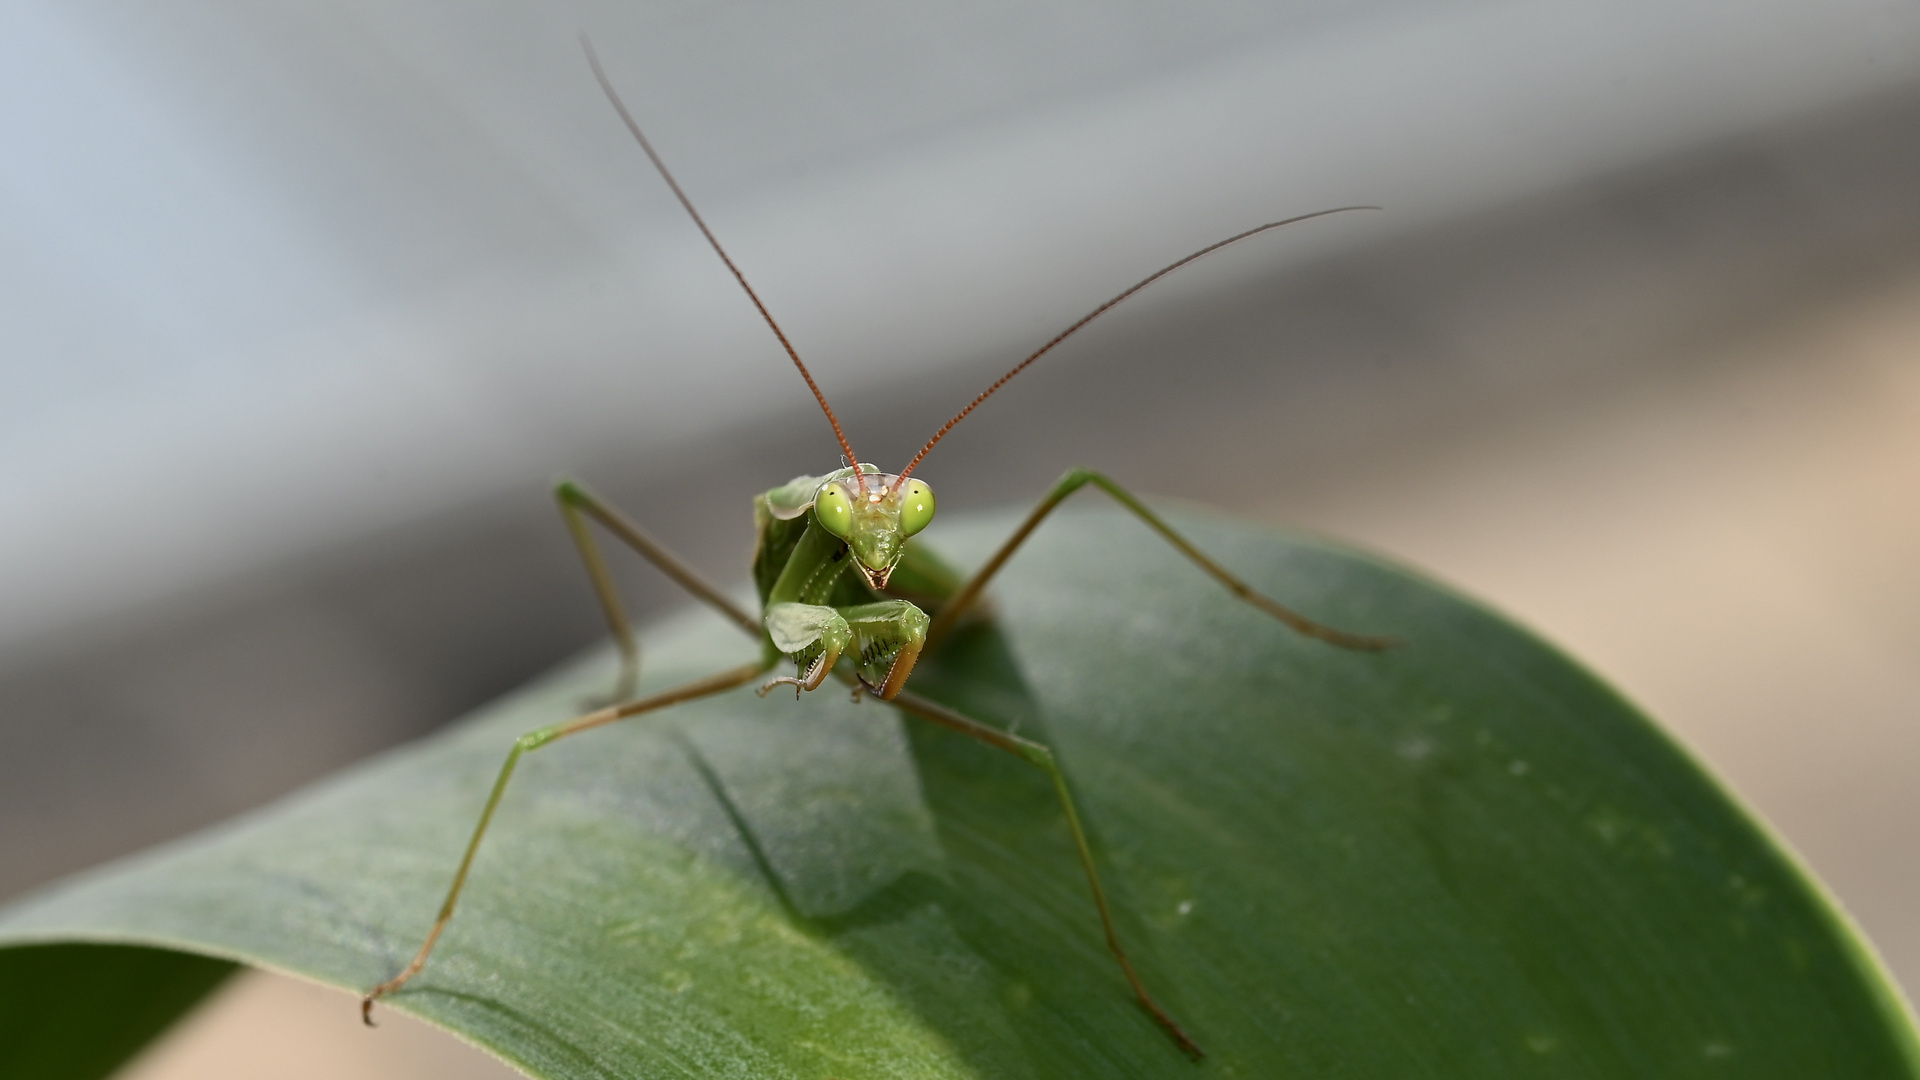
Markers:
point(577, 505)
point(1038, 755)
point(1073, 481)
point(534, 740)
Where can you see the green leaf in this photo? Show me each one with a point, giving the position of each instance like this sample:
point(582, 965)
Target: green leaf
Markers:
point(73, 1012)
point(1464, 856)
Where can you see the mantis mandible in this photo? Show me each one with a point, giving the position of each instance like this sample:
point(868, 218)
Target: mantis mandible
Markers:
point(834, 572)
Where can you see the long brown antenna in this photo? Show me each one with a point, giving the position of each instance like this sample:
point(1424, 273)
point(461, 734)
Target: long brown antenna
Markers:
point(1097, 312)
point(593, 61)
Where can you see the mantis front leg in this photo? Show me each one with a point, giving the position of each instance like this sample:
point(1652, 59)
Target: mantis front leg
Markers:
point(1038, 755)
point(884, 640)
point(1073, 481)
point(534, 740)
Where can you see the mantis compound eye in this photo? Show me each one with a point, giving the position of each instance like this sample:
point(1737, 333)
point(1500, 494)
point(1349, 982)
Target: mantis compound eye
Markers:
point(834, 511)
point(916, 507)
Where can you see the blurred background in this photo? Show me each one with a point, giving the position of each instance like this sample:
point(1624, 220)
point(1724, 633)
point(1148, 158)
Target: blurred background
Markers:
point(303, 305)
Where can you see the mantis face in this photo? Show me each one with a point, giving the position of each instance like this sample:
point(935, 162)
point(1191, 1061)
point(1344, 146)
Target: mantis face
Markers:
point(876, 522)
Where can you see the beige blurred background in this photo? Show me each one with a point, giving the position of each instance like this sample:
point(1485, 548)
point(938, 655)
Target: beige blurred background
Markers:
point(1633, 354)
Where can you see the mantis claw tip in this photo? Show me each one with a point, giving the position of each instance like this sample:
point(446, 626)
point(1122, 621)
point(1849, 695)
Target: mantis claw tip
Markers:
point(1180, 1037)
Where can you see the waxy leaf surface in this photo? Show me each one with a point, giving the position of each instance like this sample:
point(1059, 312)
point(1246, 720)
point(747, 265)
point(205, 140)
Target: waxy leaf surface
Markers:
point(1464, 856)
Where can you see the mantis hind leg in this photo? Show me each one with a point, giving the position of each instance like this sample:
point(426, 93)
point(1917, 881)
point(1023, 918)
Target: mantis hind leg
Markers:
point(1041, 757)
point(1077, 478)
point(534, 740)
point(577, 507)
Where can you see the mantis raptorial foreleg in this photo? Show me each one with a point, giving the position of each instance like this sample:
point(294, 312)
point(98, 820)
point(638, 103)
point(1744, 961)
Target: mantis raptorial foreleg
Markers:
point(1073, 481)
point(814, 635)
point(534, 740)
point(883, 639)
point(1039, 755)
point(577, 504)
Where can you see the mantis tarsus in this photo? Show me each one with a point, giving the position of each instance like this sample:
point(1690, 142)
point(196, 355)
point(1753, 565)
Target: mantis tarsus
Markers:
point(862, 627)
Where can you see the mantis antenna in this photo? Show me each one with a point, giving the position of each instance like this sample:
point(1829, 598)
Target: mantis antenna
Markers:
point(593, 61)
point(1102, 309)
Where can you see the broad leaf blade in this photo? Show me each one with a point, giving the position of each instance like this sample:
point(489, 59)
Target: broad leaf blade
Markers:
point(1463, 856)
point(75, 1012)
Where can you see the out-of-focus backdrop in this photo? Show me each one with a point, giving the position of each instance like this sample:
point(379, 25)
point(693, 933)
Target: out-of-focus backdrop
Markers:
point(302, 305)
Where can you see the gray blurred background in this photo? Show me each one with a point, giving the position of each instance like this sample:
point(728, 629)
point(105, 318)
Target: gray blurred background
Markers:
point(302, 306)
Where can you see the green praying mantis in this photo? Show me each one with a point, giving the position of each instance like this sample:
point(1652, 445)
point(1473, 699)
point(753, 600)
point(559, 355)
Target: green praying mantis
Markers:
point(843, 593)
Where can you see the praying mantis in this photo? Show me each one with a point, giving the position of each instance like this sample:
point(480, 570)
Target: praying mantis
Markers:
point(844, 595)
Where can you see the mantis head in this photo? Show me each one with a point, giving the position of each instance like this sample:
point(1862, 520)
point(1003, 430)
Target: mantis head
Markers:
point(875, 517)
